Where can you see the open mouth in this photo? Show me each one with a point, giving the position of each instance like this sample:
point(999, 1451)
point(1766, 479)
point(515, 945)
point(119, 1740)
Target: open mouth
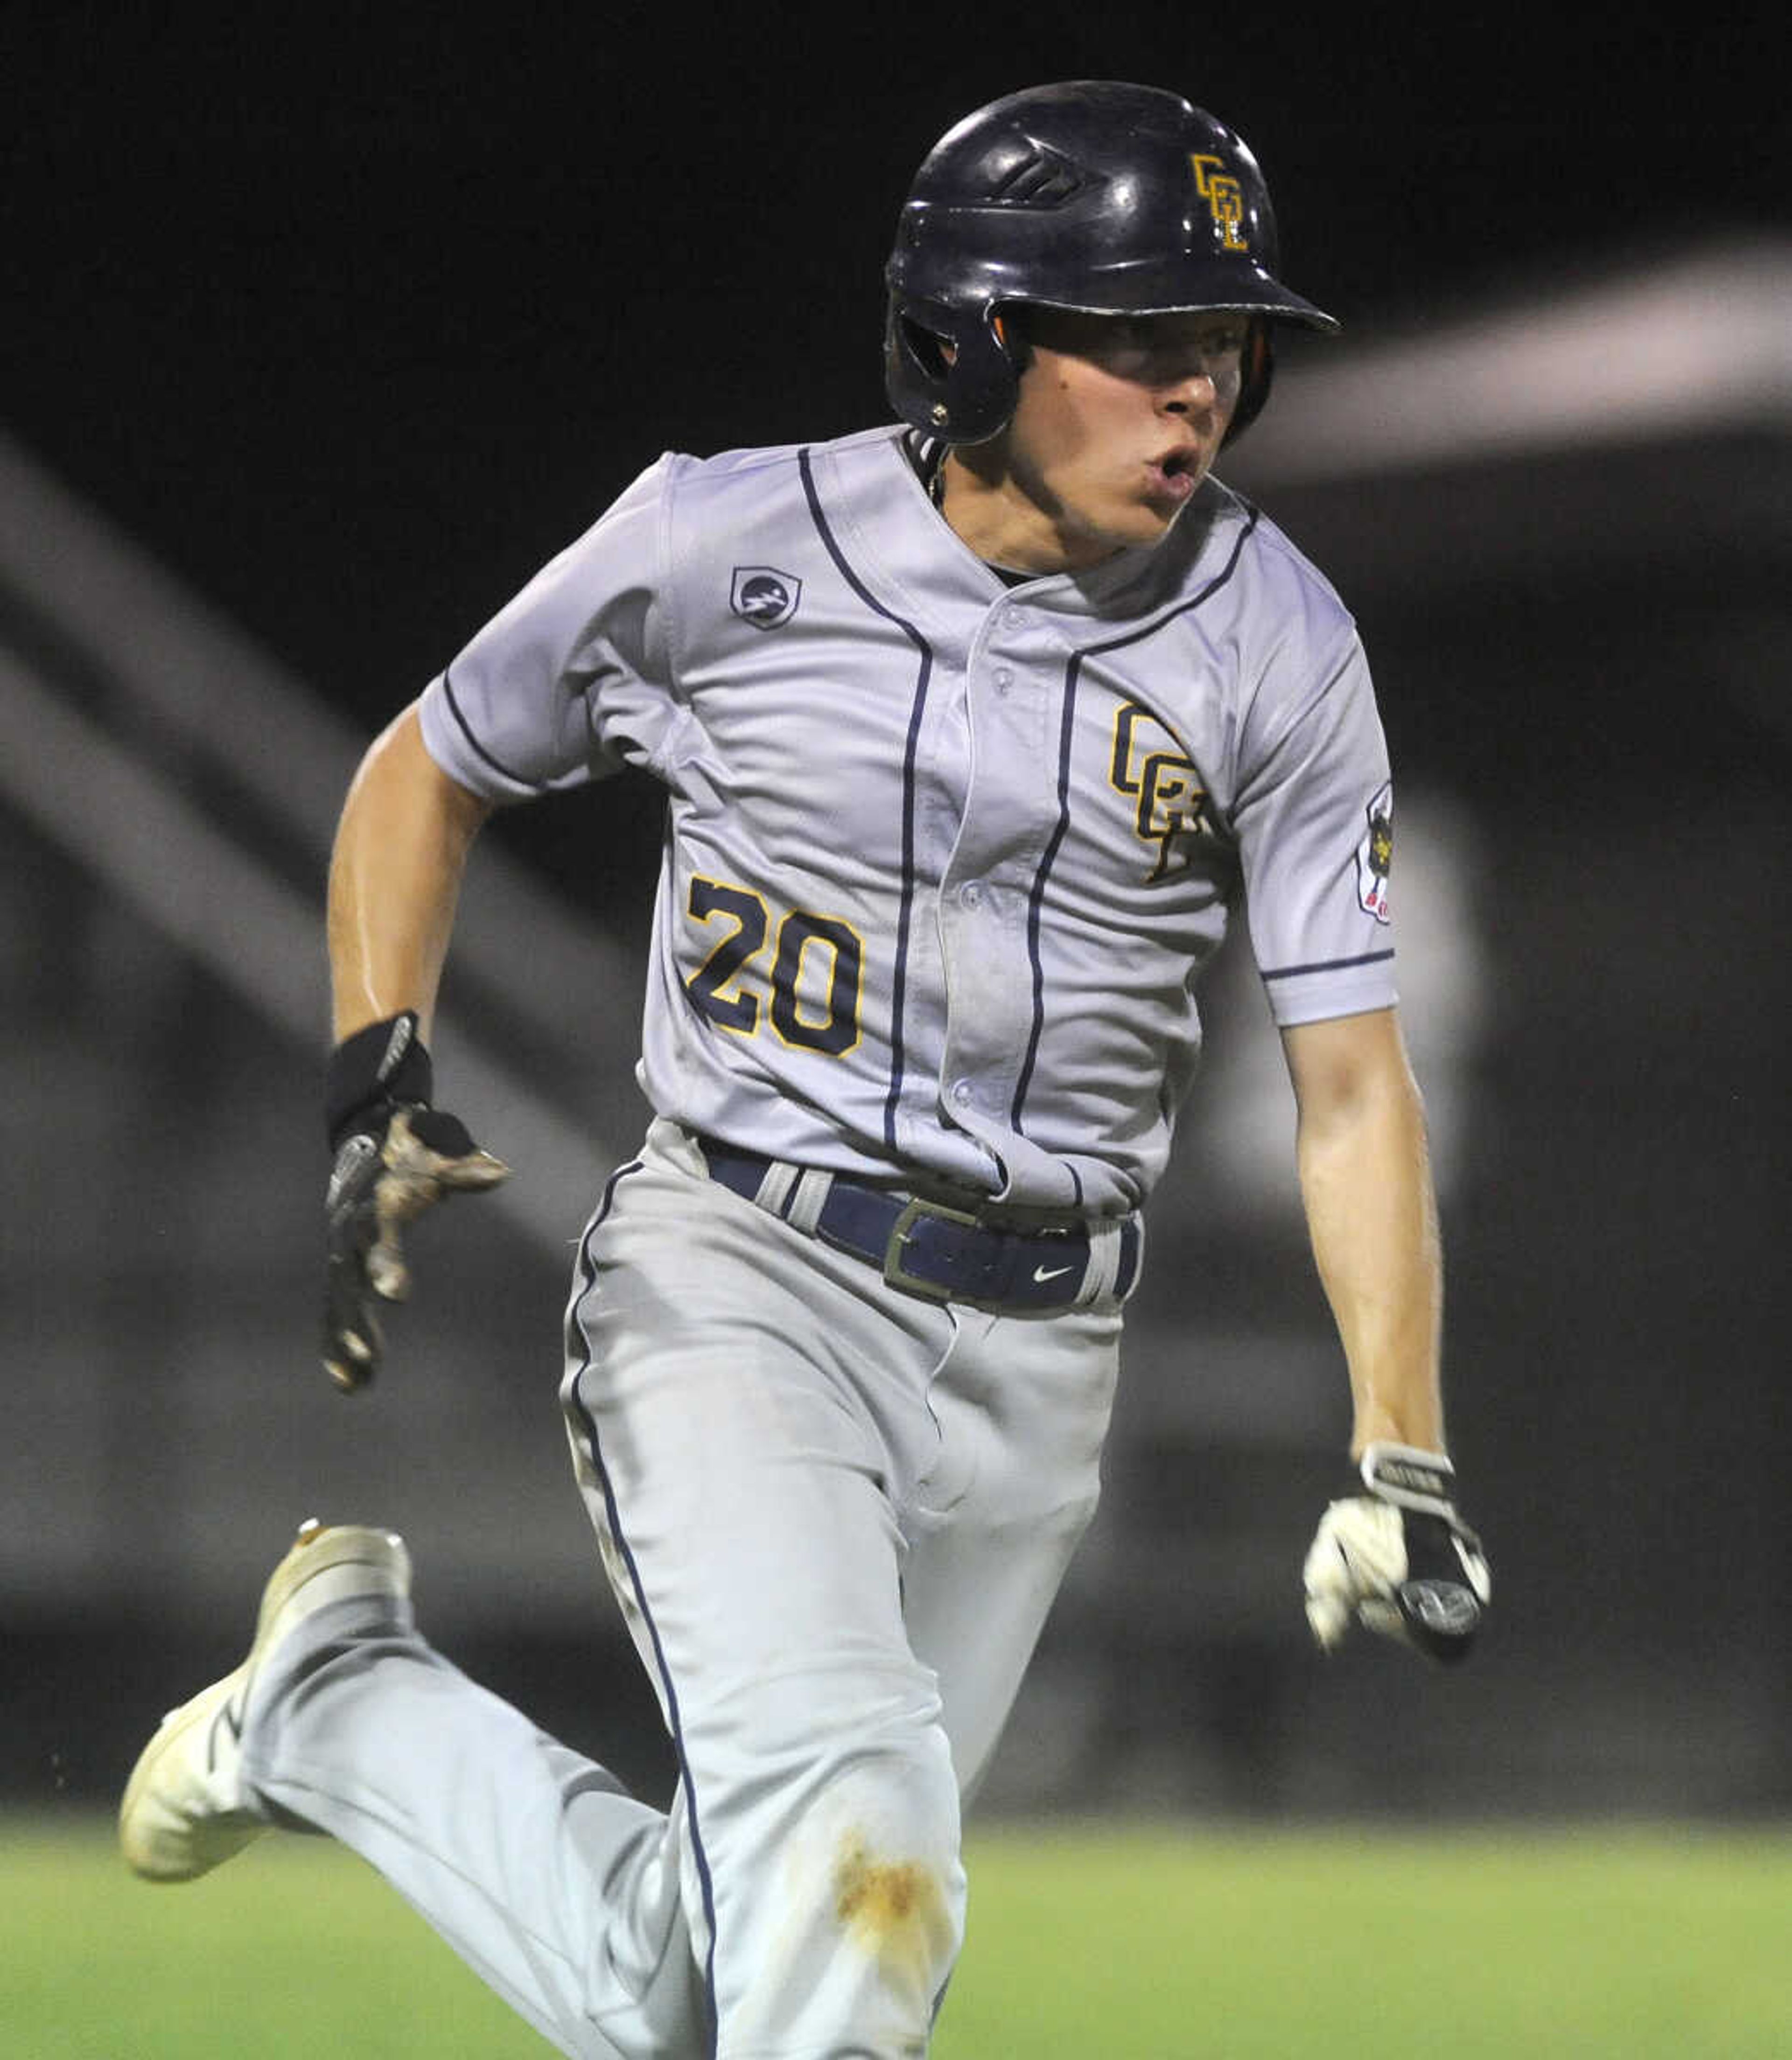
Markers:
point(1175, 474)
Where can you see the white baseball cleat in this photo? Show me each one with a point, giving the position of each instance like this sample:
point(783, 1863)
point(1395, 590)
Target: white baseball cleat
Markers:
point(185, 1810)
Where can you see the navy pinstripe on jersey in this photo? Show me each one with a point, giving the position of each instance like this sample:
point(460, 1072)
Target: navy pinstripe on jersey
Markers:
point(1066, 735)
point(899, 978)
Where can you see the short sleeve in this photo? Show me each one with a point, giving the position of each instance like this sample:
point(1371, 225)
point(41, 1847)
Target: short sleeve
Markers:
point(1314, 819)
point(572, 679)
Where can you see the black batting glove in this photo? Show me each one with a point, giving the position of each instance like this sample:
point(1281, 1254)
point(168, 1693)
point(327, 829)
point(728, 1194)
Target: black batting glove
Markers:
point(396, 1156)
point(1399, 1559)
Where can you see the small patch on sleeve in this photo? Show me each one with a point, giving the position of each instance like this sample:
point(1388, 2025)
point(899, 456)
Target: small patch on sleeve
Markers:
point(1374, 856)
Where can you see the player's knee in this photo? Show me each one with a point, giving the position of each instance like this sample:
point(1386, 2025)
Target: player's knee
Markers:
point(856, 1906)
point(882, 1865)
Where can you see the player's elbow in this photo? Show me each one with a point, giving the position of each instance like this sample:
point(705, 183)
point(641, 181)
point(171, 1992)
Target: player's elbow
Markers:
point(1351, 1070)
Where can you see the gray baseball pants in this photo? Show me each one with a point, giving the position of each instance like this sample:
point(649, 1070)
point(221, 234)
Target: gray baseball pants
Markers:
point(834, 1516)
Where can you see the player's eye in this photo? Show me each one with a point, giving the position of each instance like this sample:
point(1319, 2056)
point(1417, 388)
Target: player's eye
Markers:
point(1134, 347)
point(1216, 339)
point(1213, 340)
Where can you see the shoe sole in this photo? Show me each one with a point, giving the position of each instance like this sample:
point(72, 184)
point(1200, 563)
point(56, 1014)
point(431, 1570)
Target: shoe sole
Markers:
point(163, 1841)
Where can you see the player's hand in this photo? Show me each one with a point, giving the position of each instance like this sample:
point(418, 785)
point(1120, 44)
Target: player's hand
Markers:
point(396, 1156)
point(1399, 1559)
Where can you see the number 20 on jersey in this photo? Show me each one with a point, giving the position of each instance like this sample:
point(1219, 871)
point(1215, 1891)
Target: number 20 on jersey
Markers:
point(811, 995)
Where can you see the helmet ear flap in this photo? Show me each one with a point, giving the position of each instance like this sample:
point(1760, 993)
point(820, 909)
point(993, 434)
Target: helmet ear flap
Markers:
point(928, 351)
point(950, 372)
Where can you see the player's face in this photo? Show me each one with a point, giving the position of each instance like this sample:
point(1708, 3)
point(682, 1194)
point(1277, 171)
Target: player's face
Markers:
point(1118, 419)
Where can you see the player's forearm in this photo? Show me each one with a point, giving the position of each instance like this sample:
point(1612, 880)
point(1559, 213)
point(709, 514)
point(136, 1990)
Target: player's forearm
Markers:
point(395, 879)
point(1365, 1176)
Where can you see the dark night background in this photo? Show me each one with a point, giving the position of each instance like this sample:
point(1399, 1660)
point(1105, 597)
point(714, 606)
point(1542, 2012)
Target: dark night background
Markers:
point(357, 318)
point(353, 320)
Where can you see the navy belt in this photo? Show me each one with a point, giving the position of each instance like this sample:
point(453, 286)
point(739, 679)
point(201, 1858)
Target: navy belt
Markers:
point(943, 1254)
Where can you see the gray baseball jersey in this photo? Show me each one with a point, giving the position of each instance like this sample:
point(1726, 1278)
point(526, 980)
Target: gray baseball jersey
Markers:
point(946, 853)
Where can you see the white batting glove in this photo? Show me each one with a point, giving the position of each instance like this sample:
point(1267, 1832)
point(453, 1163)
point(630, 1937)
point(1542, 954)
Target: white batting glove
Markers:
point(1399, 1559)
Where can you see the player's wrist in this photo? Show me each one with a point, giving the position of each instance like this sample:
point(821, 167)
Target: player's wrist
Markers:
point(1410, 1476)
point(383, 1066)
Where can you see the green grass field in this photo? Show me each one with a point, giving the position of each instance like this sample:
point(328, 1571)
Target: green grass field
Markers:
point(1086, 1944)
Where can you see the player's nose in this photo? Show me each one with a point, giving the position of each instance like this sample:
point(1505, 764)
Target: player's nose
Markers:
point(1198, 382)
point(1193, 390)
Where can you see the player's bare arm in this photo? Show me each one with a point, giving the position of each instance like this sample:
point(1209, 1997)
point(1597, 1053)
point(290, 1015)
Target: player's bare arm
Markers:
point(395, 880)
point(1366, 1182)
point(1397, 1558)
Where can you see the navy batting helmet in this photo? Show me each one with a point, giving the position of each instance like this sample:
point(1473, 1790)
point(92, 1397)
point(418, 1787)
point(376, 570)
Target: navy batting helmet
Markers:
point(1094, 196)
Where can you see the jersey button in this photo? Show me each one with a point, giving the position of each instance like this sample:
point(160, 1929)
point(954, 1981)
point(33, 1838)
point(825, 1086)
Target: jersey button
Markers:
point(963, 1093)
point(1004, 680)
point(970, 894)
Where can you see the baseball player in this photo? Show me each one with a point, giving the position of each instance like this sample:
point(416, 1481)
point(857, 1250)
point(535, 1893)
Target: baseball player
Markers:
point(974, 730)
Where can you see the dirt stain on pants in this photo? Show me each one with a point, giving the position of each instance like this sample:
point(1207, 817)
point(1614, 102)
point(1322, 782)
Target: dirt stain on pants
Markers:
point(895, 1911)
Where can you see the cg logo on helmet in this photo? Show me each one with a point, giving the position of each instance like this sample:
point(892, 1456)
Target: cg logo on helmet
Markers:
point(765, 596)
point(1224, 197)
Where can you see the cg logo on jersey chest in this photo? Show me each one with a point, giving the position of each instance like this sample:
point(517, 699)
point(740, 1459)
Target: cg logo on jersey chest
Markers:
point(765, 596)
point(1151, 766)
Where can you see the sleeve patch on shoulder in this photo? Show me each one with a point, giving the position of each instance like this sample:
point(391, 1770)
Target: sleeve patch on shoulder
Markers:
point(1374, 856)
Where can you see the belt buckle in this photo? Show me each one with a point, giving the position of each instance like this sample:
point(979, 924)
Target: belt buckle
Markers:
point(895, 1272)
